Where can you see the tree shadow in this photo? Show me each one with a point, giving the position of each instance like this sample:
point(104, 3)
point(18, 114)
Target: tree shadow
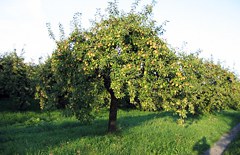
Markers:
point(201, 146)
point(41, 136)
point(235, 117)
point(127, 122)
point(20, 139)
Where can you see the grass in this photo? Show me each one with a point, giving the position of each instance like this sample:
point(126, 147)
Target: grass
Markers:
point(139, 133)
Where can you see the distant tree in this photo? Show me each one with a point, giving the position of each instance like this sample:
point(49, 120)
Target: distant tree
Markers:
point(15, 79)
point(204, 87)
point(50, 94)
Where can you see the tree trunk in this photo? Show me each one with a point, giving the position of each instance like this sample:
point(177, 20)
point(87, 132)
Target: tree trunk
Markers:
point(112, 122)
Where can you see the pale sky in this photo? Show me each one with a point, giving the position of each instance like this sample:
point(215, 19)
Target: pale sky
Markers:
point(210, 25)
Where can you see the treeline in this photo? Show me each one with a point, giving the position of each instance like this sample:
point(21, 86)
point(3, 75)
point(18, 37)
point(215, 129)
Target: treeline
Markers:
point(119, 61)
point(17, 80)
point(199, 86)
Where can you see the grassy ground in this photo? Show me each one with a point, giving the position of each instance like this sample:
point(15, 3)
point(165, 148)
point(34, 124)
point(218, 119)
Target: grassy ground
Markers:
point(234, 147)
point(139, 133)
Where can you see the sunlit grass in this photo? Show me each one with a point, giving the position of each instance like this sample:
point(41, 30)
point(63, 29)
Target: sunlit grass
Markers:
point(139, 133)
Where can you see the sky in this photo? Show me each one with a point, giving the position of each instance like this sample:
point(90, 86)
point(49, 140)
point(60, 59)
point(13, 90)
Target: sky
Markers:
point(212, 26)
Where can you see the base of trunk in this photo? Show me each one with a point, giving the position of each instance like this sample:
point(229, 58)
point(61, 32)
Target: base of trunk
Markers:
point(112, 124)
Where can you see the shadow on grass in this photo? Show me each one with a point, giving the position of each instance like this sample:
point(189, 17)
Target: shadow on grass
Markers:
point(201, 146)
point(22, 139)
point(234, 116)
point(19, 139)
point(42, 136)
point(126, 122)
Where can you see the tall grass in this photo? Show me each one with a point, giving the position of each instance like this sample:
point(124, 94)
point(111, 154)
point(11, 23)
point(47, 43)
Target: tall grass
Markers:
point(139, 133)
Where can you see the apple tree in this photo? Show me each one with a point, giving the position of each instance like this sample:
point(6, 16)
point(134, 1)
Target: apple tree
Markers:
point(119, 55)
point(16, 80)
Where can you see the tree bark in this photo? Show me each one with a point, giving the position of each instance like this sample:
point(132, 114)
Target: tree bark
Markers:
point(112, 122)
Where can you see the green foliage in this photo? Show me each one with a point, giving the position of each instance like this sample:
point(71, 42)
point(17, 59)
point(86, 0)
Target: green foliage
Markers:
point(121, 57)
point(204, 87)
point(16, 79)
point(47, 90)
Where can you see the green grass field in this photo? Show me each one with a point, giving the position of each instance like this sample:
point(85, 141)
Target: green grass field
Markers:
point(139, 133)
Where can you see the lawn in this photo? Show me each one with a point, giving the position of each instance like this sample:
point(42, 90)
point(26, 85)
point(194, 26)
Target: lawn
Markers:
point(139, 133)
